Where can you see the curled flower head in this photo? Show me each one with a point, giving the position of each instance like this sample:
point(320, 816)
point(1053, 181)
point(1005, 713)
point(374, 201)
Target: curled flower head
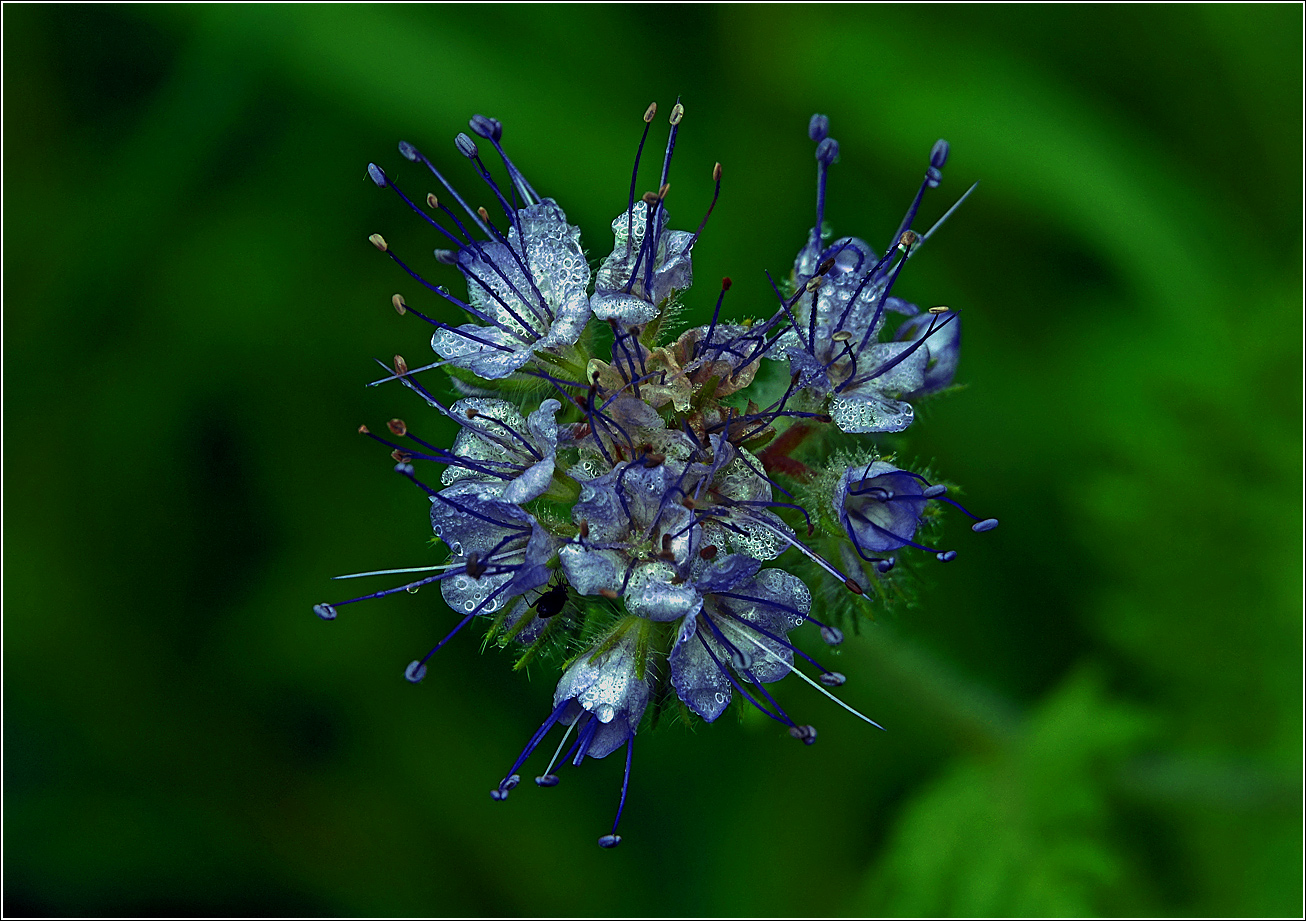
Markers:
point(644, 508)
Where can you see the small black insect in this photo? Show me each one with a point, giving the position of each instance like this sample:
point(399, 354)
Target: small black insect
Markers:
point(551, 601)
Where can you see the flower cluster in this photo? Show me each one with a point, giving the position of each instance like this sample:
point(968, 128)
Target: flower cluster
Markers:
point(617, 497)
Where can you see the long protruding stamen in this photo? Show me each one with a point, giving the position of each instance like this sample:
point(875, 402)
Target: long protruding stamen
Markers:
point(511, 778)
point(548, 778)
point(800, 674)
point(827, 151)
point(716, 192)
point(613, 839)
point(409, 152)
point(933, 176)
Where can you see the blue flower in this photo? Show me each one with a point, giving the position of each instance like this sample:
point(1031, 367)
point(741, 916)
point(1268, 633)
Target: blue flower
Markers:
point(880, 508)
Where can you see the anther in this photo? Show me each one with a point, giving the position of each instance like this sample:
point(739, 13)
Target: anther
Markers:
point(841, 336)
point(397, 427)
point(446, 257)
point(946, 556)
point(401, 306)
point(609, 841)
point(885, 565)
point(415, 671)
point(853, 587)
point(546, 780)
point(825, 267)
point(408, 152)
point(818, 129)
point(805, 734)
point(832, 679)
point(364, 430)
point(485, 215)
point(401, 366)
point(716, 173)
point(813, 283)
point(938, 309)
point(649, 198)
point(379, 242)
point(827, 151)
point(833, 636)
point(324, 611)
point(939, 154)
point(933, 492)
point(377, 175)
point(584, 528)
point(472, 413)
point(505, 786)
point(988, 524)
point(489, 128)
point(677, 113)
point(662, 192)
point(404, 469)
point(432, 202)
point(401, 457)
point(466, 146)
point(651, 111)
point(609, 594)
point(655, 460)
point(908, 239)
point(726, 283)
point(708, 553)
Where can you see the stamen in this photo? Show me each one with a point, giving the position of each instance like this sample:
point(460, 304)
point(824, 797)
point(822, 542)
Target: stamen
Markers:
point(800, 674)
point(613, 839)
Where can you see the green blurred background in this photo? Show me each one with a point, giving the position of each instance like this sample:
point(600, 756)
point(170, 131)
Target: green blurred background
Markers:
point(1095, 710)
